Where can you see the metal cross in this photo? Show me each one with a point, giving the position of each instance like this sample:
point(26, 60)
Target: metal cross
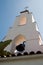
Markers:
point(26, 8)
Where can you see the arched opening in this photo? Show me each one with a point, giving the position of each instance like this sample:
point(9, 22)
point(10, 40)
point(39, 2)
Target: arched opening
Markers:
point(19, 43)
point(19, 39)
point(20, 47)
point(31, 53)
point(19, 54)
point(25, 53)
point(38, 52)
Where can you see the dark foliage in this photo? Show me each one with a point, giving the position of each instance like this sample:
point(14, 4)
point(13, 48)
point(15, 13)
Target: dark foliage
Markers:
point(13, 55)
point(2, 56)
point(3, 45)
point(7, 55)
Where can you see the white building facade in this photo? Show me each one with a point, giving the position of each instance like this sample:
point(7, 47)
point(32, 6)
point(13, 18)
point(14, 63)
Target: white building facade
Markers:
point(24, 29)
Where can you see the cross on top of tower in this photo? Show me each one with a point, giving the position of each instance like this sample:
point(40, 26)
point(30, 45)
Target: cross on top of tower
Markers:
point(26, 8)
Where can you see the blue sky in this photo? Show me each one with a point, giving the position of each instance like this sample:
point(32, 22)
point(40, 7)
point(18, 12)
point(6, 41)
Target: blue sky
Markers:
point(9, 9)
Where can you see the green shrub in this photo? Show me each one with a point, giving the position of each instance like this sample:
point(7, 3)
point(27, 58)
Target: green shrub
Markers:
point(3, 45)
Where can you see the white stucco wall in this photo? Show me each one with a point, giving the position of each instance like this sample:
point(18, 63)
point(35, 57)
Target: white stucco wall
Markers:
point(28, 30)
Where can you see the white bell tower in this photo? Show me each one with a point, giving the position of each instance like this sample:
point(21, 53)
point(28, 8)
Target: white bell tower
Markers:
point(25, 29)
